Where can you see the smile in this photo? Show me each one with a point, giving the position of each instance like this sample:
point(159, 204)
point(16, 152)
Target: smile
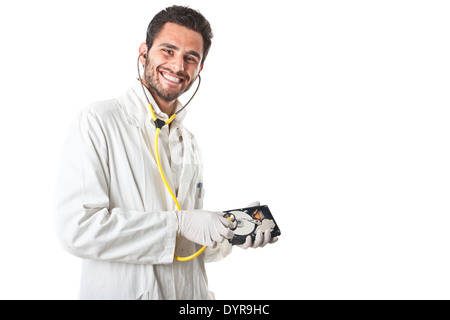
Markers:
point(171, 78)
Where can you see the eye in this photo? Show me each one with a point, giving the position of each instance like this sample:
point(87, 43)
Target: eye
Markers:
point(190, 59)
point(168, 51)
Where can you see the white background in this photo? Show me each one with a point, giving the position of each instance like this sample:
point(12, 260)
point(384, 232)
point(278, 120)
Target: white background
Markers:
point(333, 113)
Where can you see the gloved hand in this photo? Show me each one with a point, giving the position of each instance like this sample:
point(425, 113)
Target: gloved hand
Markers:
point(261, 238)
point(204, 227)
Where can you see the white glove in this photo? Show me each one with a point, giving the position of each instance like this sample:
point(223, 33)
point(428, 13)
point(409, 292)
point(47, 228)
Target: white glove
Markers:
point(204, 227)
point(261, 238)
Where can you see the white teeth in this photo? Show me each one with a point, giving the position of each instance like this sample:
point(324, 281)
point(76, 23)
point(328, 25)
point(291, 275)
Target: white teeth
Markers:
point(168, 77)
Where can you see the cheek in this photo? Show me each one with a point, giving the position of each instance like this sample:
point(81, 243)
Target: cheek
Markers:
point(150, 68)
point(193, 73)
point(154, 60)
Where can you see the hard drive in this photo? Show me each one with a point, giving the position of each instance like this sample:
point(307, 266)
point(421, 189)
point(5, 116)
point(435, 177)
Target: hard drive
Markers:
point(247, 221)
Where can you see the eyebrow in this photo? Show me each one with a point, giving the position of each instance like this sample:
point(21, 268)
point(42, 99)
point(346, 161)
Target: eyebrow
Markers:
point(171, 46)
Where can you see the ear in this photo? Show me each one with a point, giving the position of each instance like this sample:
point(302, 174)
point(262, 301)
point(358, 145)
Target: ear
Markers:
point(201, 68)
point(142, 51)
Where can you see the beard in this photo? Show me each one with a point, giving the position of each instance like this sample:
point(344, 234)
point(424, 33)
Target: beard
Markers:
point(151, 78)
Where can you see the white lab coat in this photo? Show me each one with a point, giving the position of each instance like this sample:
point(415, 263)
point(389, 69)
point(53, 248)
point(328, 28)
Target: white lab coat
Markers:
point(113, 210)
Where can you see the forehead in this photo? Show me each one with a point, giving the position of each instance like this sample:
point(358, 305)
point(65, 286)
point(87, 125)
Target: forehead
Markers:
point(181, 37)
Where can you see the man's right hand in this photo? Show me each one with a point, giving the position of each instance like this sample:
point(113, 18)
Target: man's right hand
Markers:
point(204, 227)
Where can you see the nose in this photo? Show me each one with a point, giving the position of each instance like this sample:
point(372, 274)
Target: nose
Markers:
point(178, 63)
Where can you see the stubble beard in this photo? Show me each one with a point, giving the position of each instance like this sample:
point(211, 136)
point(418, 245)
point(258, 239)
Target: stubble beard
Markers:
point(151, 79)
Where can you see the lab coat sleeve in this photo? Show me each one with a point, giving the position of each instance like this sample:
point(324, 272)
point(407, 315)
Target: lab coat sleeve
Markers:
point(85, 224)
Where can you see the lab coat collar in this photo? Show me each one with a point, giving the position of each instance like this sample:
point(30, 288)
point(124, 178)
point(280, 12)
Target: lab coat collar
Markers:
point(137, 109)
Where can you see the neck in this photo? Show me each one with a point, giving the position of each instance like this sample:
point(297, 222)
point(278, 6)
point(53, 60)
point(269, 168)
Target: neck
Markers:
point(168, 107)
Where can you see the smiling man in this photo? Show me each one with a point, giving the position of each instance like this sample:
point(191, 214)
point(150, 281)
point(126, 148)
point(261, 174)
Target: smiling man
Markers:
point(113, 209)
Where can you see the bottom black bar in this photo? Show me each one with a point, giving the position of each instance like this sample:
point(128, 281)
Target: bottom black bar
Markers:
point(226, 309)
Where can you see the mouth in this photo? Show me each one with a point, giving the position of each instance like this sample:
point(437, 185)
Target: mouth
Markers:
point(171, 78)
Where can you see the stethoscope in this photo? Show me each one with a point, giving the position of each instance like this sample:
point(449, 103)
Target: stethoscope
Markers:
point(159, 124)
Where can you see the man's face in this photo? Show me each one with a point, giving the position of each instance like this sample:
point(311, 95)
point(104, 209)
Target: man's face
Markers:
point(174, 61)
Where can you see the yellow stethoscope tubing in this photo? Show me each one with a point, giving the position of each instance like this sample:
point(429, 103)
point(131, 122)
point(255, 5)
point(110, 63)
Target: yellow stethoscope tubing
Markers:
point(161, 172)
